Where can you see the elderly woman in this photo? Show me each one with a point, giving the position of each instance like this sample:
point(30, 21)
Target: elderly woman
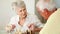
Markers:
point(23, 21)
point(46, 8)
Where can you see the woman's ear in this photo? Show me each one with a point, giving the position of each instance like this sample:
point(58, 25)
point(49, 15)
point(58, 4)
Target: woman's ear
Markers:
point(14, 8)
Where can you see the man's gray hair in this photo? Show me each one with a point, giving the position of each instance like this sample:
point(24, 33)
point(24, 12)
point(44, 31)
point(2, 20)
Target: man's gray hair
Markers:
point(18, 3)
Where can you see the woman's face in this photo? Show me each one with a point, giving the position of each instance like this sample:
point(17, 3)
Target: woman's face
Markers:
point(22, 12)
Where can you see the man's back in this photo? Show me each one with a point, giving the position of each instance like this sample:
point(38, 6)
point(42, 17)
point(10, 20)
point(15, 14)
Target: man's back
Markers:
point(53, 24)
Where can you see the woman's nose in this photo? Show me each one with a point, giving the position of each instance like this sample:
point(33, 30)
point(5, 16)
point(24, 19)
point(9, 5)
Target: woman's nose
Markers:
point(22, 11)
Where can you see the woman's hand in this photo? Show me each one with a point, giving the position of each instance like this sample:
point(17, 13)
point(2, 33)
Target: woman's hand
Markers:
point(31, 27)
point(10, 28)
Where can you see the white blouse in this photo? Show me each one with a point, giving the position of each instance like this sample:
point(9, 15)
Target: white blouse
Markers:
point(30, 19)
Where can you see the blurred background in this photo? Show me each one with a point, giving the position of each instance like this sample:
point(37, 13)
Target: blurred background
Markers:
point(6, 11)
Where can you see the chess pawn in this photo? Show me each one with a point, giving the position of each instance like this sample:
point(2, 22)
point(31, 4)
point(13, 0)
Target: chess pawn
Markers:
point(29, 32)
point(18, 32)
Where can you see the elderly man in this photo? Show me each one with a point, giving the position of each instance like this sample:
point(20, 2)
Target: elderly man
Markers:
point(46, 8)
point(53, 24)
point(23, 21)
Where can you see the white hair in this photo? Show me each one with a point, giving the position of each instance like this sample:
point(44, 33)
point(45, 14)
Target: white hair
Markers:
point(18, 3)
point(42, 5)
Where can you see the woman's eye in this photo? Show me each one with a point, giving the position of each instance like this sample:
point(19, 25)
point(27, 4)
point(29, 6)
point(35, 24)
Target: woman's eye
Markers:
point(24, 9)
point(20, 11)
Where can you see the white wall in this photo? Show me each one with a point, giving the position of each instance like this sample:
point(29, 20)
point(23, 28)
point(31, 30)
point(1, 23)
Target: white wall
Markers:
point(5, 12)
point(30, 6)
point(57, 3)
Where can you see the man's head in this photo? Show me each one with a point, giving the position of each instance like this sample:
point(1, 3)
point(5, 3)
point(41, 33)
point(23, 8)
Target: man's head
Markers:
point(45, 8)
point(20, 8)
